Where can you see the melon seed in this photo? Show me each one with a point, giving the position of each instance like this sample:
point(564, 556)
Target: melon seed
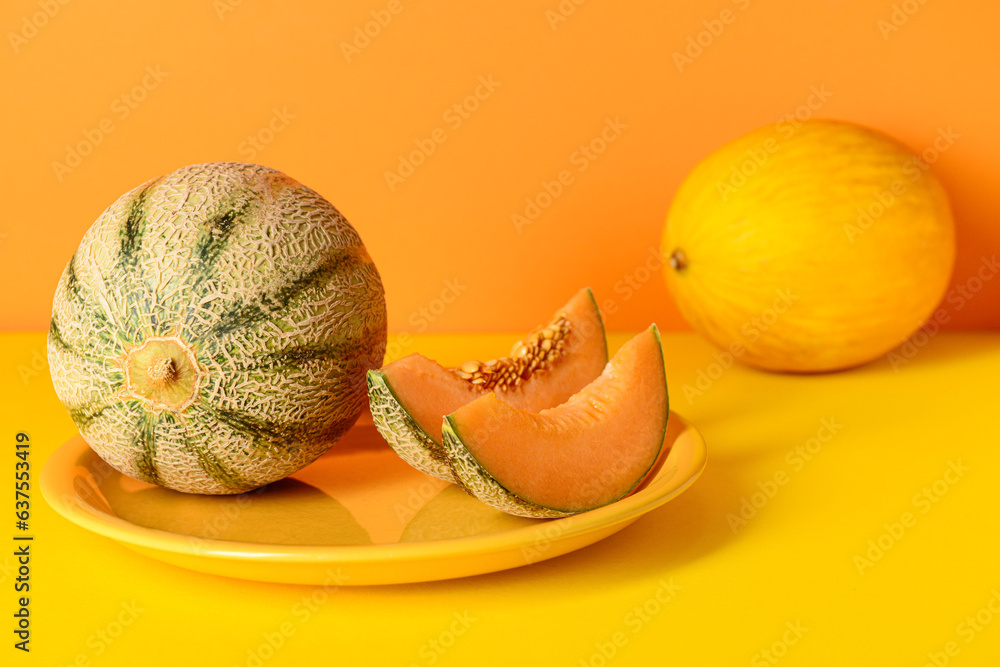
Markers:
point(536, 353)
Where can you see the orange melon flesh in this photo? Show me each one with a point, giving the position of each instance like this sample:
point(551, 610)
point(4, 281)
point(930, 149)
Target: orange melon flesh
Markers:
point(429, 391)
point(588, 452)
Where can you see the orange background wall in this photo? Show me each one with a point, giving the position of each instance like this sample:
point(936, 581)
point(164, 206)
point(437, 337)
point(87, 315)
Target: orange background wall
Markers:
point(224, 71)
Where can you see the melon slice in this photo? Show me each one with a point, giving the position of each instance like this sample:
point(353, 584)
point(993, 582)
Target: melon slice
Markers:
point(588, 452)
point(410, 396)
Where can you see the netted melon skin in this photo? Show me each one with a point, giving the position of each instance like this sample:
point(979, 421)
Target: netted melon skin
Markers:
point(270, 288)
point(410, 442)
point(480, 484)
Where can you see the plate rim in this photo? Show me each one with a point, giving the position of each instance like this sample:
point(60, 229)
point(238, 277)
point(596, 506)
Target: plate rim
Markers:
point(57, 488)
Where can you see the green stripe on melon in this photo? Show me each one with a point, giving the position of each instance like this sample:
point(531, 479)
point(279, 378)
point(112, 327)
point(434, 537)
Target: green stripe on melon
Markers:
point(266, 298)
point(411, 442)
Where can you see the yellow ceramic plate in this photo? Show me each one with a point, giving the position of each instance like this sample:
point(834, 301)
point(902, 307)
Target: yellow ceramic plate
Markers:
point(358, 515)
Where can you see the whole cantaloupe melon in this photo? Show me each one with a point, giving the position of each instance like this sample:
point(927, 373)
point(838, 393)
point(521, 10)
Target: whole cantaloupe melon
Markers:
point(213, 330)
point(809, 248)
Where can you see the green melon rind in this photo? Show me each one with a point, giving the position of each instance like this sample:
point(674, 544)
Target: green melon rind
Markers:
point(478, 482)
point(600, 322)
point(406, 437)
point(666, 422)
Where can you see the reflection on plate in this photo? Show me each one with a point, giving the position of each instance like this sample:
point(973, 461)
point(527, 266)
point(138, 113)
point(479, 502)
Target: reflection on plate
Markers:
point(359, 515)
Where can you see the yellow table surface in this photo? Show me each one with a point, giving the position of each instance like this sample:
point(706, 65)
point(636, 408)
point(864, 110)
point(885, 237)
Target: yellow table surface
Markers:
point(874, 541)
